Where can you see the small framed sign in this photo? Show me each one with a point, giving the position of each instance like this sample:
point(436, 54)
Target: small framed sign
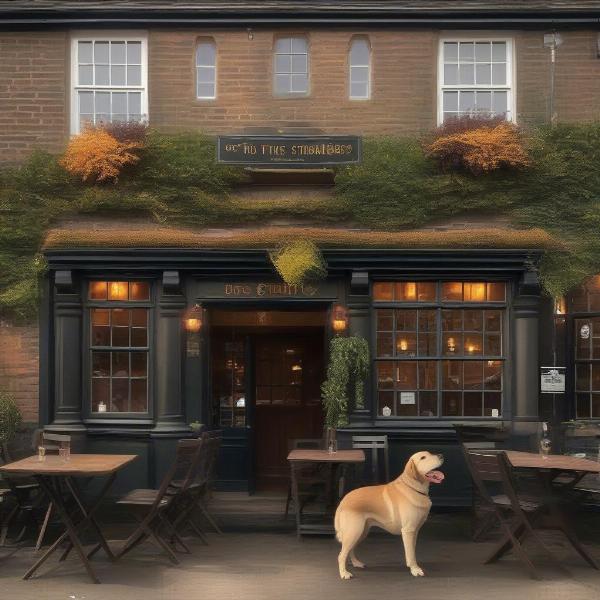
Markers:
point(552, 380)
point(407, 398)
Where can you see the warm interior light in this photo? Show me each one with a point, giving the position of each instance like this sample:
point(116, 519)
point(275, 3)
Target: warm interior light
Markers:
point(339, 319)
point(451, 344)
point(560, 305)
point(296, 367)
point(403, 345)
point(193, 319)
point(470, 348)
point(411, 290)
point(117, 290)
point(475, 292)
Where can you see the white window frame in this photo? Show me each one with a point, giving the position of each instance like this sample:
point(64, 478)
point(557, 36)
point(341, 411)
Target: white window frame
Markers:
point(100, 36)
point(200, 42)
point(291, 94)
point(368, 65)
point(510, 86)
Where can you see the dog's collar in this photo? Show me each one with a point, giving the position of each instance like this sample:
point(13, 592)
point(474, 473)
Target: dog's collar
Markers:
point(415, 489)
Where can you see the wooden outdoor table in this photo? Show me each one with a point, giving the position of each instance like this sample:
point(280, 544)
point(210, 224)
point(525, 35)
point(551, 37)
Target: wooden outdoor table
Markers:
point(55, 475)
point(547, 469)
point(301, 457)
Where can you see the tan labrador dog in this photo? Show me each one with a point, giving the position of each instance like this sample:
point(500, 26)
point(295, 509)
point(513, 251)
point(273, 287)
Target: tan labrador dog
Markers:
point(400, 507)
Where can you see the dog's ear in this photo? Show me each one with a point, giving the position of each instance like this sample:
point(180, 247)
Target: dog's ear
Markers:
point(411, 470)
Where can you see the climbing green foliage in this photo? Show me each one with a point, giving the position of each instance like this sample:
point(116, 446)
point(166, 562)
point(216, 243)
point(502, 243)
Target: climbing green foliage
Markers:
point(347, 373)
point(10, 418)
point(299, 261)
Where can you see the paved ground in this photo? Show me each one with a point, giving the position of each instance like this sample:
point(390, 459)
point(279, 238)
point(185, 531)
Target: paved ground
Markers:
point(273, 565)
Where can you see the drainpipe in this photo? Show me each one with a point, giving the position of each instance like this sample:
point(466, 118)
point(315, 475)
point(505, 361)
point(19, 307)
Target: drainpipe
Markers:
point(552, 41)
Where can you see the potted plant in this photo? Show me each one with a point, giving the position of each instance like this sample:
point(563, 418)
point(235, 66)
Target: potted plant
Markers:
point(347, 372)
point(196, 427)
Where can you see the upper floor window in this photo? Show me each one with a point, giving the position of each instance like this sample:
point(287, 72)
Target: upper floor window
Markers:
point(109, 80)
point(206, 70)
point(475, 78)
point(119, 346)
point(291, 66)
point(360, 70)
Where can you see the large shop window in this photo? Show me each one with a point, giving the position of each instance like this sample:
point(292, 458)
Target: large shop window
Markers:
point(584, 304)
point(291, 66)
point(439, 348)
point(108, 79)
point(475, 78)
point(119, 346)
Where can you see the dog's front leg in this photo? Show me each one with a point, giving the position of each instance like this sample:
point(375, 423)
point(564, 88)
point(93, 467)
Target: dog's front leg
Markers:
point(409, 539)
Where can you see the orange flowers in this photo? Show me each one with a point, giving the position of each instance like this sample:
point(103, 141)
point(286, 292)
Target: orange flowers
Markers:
point(481, 150)
point(95, 155)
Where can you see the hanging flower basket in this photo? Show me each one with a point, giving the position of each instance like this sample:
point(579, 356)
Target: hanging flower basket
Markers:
point(299, 261)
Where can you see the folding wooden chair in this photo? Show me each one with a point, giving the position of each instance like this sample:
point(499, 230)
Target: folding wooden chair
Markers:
point(151, 507)
point(515, 515)
point(376, 444)
point(212, 441)
point(308, 478)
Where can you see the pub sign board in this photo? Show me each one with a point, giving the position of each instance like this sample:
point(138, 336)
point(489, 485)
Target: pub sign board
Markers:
point(289, 150)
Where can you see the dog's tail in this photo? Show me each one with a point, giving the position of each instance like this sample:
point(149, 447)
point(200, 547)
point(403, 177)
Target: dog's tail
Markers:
point(337, 523)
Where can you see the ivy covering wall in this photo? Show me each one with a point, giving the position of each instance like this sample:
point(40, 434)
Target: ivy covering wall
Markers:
point(178, 182)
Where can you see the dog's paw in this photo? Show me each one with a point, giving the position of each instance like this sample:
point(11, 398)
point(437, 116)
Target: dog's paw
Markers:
point(357, 563)
point(416, 571)
point(346, 575)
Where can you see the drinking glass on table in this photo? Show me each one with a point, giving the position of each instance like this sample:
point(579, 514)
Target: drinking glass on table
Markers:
point(41, 453)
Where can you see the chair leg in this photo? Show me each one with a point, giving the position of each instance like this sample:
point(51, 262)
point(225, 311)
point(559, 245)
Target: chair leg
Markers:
point(287, 502)
point(208, 517)
point(42, 533)
point(197, 530)
point(6, 525)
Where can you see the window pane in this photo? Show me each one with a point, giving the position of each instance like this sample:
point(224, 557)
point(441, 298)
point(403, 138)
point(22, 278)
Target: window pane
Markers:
point(117, 53)
point(139, 366)
point(385, 344)
point(452, 370)
point(450, 74)
point(117, 75)
point(428, 404)
point(299, 45)
point(134, 53)
point(359, 90)
point(483, 51)
point(299, 83)
point(473, 404)
point(100, 316)
point(120, 364)
point(100, 364)
point(86, 75)
point(499, 102)
point(473, 320)
point(499, 74)
point(452, 344)
point(406, 291)
point(139, 317)
point(119, 103)
point(139, 291)
point(139, 337)
point(595, 405)
point(452, 320)
point(283, 63)
point(120, 395)
point(102, 106)
point(484, 102)
point(134, 75)
point(100, 393)
point(98, 290)
point(120, 337)
point(283, 45)
point(492, 401)
point(492, 373)
point(427, 375)
point(385, 375)
point(101, 53)
point(474, 292)
point(583, 406)
point(493, 320)
point(406, 320)
point(386, 403)
point(206, 75)
point(85, 52)
point(473, 345)
point(283, 84)
point(359, 52)
point(102, 75)
point(451, 101)
point(466, 74)
point(450, 51)
point(299, 64)
point(139, 395)
point(466, 52)
point(483, 74)
point(499, 51)
point(406, 344)
point(206, 55)
point(451, 404)
point(385, 320)
point(452, 291)
point(383, 291)
point(406, 375)
point(135, 104)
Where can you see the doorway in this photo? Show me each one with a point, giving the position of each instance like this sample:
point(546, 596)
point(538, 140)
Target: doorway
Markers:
point(267, 368)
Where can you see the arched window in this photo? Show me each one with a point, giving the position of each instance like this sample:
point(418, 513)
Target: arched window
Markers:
point(291, 66)
point(206, 70)
point(360, 69)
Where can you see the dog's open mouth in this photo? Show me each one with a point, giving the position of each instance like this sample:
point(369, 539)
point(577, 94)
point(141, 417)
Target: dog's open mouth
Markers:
point(434, 476)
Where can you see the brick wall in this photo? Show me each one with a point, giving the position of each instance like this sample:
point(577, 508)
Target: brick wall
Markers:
point(19, 361)
point(34, 75)
point(33, 100)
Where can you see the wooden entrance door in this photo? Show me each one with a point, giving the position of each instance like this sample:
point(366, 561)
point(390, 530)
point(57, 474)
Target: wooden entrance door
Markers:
point(288, 375)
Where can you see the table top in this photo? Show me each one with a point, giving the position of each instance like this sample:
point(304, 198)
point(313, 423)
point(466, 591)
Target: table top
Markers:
point(341, 456)
point(553, 461)
point(85, 465)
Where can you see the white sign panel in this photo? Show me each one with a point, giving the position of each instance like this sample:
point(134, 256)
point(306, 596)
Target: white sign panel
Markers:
point(407, 398)
point(552, 380)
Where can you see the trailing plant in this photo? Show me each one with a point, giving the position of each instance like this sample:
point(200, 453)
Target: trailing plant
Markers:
point(96, 156)
point(10, 418)
point(299, 261)
point(347, 372)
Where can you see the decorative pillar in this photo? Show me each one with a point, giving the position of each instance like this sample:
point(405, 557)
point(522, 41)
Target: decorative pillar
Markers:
point(68, 348)
point(525, 359)
point(168, 357)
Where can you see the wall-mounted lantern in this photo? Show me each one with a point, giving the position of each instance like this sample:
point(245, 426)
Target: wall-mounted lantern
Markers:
point(560, 305)
point(339, 319)
point(193, 319)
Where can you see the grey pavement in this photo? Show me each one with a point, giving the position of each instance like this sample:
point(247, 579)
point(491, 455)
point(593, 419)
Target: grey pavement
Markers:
point(264, 565)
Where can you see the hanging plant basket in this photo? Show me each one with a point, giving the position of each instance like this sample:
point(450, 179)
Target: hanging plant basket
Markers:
point(298, 262)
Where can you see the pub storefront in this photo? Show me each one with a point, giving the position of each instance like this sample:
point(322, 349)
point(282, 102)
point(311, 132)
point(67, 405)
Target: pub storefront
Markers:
point(139, 343)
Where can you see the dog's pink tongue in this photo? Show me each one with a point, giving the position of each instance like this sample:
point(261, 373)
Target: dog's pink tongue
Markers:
point(434, 476)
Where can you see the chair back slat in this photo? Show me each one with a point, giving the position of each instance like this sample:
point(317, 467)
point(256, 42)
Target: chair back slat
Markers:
point(306, 444)
point(374, 443)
